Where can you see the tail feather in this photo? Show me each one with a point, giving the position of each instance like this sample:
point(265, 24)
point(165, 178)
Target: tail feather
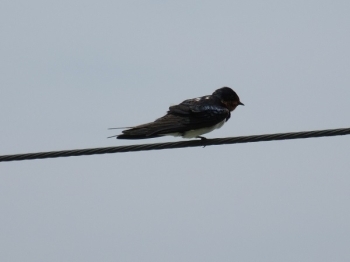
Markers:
point(111, 128)
point(125, 136)
point(149, 130)
point(160, 127)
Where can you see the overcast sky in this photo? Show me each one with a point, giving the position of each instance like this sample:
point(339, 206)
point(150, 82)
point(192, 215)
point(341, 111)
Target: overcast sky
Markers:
point(72, 69)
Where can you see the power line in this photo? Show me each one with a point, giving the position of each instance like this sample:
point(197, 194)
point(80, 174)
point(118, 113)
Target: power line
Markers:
point(172, 145)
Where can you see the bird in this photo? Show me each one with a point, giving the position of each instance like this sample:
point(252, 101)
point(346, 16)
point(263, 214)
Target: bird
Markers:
point(190, 119)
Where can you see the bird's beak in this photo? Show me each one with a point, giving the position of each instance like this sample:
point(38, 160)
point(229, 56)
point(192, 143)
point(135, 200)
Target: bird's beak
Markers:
point(240, 103)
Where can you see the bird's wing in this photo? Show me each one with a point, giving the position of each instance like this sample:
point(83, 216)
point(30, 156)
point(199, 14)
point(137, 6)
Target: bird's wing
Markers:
point(192, 114)
point(205, 110)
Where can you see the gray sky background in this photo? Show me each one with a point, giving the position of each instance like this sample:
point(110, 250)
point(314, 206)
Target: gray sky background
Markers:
point(71, 69)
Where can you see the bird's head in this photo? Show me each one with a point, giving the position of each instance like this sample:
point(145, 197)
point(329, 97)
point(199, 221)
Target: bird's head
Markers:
point(228, 97)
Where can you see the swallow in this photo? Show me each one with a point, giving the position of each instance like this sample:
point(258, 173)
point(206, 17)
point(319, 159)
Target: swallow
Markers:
point(190, 119)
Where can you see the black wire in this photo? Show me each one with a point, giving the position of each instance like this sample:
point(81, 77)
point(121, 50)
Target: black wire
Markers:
point(171, 145)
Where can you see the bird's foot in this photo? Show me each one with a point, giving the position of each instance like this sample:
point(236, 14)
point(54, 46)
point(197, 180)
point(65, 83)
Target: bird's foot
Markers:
point(203, 139)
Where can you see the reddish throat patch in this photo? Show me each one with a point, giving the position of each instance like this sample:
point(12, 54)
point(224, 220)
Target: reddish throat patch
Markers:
point(231, 105)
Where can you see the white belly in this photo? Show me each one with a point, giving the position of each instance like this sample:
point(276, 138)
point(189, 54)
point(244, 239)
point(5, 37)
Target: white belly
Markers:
point(199, 132)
